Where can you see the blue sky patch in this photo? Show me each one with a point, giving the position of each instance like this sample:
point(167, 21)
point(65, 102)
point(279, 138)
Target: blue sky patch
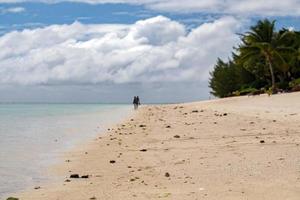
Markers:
point(40, 14)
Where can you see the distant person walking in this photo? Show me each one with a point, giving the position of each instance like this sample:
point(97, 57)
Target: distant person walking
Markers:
point(136, 102)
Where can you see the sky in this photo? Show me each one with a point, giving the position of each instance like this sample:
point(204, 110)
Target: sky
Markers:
point(107, 51)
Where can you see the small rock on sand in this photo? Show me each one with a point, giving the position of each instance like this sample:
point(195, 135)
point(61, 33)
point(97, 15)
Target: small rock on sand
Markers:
point(74, 176)
point(112, 161)
point(167, 174)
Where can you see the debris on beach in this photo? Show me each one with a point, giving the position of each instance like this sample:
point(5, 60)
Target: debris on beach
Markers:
point(74, 176)
point(77, 176)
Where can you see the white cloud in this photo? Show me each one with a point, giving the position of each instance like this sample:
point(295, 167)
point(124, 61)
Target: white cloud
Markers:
point(12, 10)
point(240, 7)
point(153, 50)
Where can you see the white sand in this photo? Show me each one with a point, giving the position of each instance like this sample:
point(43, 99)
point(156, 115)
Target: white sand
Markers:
point(214, 156)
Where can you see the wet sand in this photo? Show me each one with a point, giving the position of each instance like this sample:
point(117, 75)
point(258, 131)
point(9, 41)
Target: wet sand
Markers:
point(236, 148)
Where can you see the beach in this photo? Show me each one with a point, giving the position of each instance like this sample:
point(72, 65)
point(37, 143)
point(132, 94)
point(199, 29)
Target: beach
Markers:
point(234, 148)
point(35, 136)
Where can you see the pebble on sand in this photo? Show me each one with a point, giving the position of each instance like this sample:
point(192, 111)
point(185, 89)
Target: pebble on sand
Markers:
point(74, 176)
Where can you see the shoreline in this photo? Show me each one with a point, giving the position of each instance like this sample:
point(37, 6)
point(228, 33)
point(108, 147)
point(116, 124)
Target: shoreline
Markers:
point(65, 130)
point(235, 148)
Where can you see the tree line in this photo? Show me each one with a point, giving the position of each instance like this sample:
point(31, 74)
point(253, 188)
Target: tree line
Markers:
point(266, 60)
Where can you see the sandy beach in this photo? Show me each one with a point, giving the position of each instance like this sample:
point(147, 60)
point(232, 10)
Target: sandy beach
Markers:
point(235, 148)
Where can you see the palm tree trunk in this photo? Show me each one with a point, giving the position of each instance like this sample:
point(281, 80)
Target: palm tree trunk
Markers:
point(269, 60)
point(272, 75)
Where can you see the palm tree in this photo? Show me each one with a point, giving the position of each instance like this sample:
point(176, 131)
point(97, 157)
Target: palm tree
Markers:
point(263, 43)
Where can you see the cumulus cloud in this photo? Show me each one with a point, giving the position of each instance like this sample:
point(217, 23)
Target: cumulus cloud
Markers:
point(152, 50)
point(244, 7)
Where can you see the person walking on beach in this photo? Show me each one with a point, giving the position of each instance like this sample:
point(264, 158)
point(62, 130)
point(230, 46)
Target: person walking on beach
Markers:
point(135, 105)
point(136, 102)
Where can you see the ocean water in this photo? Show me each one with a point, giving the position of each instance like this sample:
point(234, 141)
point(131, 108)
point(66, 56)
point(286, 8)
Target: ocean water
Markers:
point(32, 136)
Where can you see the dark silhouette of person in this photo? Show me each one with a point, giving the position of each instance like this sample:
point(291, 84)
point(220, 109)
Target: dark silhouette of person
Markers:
point(136, 102)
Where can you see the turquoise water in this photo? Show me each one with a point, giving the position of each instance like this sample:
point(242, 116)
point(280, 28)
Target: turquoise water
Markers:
point(32, 136)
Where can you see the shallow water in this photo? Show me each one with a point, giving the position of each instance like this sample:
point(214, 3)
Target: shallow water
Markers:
point(32, 136)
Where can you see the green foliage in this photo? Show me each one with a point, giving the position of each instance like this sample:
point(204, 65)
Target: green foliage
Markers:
point(294, 83)
point(284, 85)
point(223, 79)
point(248, 91)
point(266, 59)
point(12, 198)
